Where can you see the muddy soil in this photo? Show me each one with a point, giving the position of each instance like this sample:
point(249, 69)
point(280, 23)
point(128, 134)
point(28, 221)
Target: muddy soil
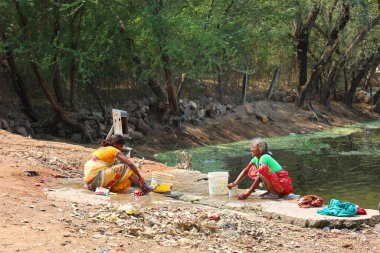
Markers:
point(32, 222)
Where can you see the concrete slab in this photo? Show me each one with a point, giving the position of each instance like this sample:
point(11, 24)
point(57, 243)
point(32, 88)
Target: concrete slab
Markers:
point(287, 211)
point(192, 186)
point(308, 217)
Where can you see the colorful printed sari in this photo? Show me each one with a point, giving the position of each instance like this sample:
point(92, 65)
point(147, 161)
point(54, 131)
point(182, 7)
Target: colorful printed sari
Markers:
point(101, 174)
point(279, 181)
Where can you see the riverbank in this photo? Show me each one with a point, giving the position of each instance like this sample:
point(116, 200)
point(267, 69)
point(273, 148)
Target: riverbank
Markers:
point(35, 222)
point(242, 123)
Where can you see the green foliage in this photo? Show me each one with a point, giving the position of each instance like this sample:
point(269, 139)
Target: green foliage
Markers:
point(125, 41)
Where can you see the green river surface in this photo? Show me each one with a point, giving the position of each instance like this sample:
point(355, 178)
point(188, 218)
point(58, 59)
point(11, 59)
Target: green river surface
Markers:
point(341, 163)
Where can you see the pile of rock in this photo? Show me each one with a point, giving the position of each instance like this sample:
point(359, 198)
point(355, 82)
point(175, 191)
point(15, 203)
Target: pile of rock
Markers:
point(16, 123)
point(139, 120)
point(196, 111)
point(284, 96)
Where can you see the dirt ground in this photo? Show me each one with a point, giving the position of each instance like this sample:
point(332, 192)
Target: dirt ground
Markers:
point(32, 222)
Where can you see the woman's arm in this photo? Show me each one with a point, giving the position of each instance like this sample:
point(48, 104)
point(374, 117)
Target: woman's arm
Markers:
point(130, 164)
point(242, 174)
point(250, 190)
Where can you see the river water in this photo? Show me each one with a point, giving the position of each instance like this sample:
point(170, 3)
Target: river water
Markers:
point(341, 163)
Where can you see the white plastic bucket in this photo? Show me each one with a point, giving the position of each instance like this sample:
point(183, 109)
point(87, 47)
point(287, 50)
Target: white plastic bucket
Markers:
point(163, 181)
point(217, 183)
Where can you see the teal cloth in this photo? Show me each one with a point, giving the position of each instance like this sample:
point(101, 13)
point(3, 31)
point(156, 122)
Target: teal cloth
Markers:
point(339, 208)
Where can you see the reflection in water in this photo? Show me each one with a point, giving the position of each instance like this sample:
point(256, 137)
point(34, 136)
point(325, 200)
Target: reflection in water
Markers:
point(339, 174)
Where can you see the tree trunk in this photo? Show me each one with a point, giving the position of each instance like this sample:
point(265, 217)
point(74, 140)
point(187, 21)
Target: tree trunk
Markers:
point(18, 82)
point(275, 78)
point(366, 66)
point(159, 92)
point(170, 89)
point(100, 101)
point(302, 33)
point(245, 84)
point(220, 83)
point(376, 108)
point(44, 84)
point(302, 48)
point(55, 67)
point(180, 85)
point(73, 75)
point(335, 71)
point(307, 90)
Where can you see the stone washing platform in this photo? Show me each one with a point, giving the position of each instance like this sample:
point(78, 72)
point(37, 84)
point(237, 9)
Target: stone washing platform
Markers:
point(192, 186)
point(285, 210)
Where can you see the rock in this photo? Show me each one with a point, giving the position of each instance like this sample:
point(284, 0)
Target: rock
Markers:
point(140, 103)
point(201, 114)
point(229, 107)
point(12, 115)
point(136, 135)
point(99, 115)
point(287, 99)
point(187, 114)
point(61, 133)
point(193, 105)
point(131, 128)
point(31, 173)
point(27, 125)
point(11, 123)
point(142, 127)
point(212, 110)
point(249, 109)
point(262, 117)
point(22, 131)
point(195, 122)
point(4, 124)
point(223, 109)
point(102, 127)
point(76, 138)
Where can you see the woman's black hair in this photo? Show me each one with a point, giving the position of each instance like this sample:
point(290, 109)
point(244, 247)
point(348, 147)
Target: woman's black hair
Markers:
point(113, 140)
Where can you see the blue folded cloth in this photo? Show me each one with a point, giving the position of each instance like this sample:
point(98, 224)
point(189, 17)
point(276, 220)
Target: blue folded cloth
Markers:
point(339, 208)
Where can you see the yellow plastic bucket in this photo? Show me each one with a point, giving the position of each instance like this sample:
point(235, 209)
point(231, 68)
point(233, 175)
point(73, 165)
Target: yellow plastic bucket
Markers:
point(163, 181)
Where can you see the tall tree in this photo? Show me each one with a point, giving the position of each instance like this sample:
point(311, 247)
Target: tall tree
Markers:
point(307, 91)
point(302, 35)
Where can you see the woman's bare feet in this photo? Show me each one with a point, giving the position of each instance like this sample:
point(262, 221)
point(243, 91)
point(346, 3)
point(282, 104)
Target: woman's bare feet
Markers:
point(269, 195)
point(264, 194)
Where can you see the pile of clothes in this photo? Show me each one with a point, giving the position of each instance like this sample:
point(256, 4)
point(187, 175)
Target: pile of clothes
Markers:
point(335, 208)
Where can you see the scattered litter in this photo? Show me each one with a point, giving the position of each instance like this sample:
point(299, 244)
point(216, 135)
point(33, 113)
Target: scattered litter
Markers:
point(31, 173)
point(138, 192)
point(103, 250)
point(129, 209)
point(228, 225)
point(102, 191)
point(215, 217)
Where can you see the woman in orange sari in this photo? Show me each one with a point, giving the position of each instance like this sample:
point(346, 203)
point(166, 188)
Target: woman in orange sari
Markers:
point(101, 169)
point(264, 169)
